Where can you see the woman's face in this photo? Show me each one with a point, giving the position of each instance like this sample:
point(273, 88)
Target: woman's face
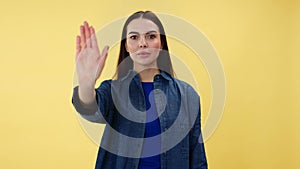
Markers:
point(143, 42)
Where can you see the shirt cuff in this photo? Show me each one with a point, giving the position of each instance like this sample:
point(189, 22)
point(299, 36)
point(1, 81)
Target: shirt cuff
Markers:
point(81, 107)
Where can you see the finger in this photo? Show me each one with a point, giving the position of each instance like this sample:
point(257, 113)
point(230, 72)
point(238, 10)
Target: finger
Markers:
point(89, 40)
point(105, 51)
point(78, 46)
point(102, 59)
point(82, 36)
point(94, 43)
point(87, 34)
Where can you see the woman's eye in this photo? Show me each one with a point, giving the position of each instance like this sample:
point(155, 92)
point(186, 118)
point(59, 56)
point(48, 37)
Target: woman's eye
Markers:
point(133, 37)
point(152, 36)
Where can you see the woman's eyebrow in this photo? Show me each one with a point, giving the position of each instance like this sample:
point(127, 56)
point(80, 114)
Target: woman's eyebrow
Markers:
point(151, 32)
point(139, 33)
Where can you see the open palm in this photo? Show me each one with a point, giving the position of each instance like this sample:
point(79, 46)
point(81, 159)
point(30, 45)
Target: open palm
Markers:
point(89, 60)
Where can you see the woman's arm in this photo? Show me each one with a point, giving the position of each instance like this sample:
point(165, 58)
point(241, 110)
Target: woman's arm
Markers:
point(89, 63)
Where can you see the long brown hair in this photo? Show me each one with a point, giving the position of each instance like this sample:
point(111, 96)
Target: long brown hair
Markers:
point(163, 61)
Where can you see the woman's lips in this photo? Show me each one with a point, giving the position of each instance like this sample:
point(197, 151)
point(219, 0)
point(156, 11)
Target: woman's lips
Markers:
point(143, 53)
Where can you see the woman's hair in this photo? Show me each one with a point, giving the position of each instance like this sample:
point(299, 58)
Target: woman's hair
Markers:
point(163, 60)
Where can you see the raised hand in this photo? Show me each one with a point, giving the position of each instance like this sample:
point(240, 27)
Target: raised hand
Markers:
point(89, 62)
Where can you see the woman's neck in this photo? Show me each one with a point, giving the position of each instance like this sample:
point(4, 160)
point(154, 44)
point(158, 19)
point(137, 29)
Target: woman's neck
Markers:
point(147, 75)
point(148, 72)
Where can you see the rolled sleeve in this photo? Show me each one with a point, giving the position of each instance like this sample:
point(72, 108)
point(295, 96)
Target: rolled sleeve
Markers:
point(98, 110)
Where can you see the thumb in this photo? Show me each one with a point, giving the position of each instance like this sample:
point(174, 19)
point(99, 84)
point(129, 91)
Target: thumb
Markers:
point(103, 56)
point(105, 51)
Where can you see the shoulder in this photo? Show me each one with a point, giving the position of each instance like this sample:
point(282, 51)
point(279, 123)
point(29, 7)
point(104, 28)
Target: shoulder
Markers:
point(105, 85)
point(184, 85)
point(186, 90)
point(106, 82)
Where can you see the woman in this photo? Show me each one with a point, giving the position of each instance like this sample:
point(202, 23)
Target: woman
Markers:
point(153, 119)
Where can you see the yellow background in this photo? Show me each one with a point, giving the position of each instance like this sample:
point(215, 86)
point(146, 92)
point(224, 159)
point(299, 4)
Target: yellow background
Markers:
point(257, 42)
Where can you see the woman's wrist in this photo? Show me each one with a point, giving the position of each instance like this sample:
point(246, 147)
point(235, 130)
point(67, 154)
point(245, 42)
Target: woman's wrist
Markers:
point(86, 95)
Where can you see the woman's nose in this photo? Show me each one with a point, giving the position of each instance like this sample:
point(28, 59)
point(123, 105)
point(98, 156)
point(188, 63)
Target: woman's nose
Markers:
point(142, 43)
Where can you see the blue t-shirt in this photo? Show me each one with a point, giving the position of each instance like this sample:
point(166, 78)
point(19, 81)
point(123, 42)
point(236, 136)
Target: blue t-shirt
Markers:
point(152, 129)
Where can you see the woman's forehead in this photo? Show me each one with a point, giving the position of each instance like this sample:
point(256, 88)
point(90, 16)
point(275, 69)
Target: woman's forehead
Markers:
point(142, 26)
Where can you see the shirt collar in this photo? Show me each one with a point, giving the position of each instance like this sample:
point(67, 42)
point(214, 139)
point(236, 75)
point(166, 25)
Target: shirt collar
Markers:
point(131, 73)
point(165, 75)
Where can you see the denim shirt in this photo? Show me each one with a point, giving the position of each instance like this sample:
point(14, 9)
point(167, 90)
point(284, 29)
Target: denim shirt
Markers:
point(120, 104)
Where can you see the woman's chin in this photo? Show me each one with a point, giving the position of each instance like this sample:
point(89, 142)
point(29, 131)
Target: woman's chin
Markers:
point(145, 65)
